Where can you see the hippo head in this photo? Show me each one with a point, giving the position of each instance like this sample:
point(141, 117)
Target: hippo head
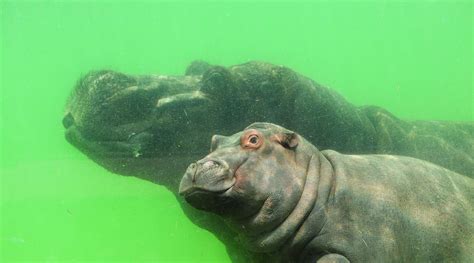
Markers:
point(254, 177)
point(146, 126)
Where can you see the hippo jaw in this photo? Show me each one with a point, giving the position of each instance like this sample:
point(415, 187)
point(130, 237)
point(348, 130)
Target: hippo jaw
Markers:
point(132, 147)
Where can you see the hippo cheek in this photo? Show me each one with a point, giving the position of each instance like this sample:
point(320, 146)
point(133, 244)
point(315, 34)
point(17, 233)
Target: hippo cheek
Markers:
point(242, 182)
point(251, 182)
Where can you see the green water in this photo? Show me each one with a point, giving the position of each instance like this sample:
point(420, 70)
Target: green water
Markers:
point(413, 58)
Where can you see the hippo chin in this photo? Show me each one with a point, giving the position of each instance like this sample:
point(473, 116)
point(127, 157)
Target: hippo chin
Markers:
point(294, 203)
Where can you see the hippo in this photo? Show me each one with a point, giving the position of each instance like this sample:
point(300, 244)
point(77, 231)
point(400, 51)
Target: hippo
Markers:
point(286, 199)
point(149, 126)
point(152, 126)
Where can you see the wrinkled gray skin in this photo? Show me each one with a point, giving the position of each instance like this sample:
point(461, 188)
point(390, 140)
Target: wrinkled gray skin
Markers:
point(152, 126)
point(295, 203)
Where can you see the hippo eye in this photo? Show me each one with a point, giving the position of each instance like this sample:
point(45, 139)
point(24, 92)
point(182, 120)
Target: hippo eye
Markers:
point(253, 139)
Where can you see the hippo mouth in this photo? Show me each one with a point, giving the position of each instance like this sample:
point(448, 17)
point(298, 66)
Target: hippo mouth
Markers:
point(162, 134)
point(139, 144)
point(196, 190)
point(216, 202)
point(206, 185)
point(139, 155)
point(207, 177)
point(136, 146)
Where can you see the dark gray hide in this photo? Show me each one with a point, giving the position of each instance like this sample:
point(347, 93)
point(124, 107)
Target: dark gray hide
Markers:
point(287, 199)
point(152, 126)
point(146, 126)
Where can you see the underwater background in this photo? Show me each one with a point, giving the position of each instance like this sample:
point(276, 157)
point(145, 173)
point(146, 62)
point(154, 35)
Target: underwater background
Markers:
point(413, 58)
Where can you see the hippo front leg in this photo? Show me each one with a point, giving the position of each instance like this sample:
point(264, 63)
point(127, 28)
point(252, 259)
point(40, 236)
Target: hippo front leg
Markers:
point(333, 258)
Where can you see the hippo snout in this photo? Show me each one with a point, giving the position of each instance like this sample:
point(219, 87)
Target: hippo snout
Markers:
point(212, 176)
point(204, 183)
point(68, 120)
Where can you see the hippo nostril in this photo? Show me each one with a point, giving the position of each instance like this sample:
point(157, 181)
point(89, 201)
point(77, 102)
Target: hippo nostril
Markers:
point(210, 164)
point(68, 120)
point(205, 169)
point(193, 169)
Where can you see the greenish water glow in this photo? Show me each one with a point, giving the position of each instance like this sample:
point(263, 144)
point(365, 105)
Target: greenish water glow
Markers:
point(413, 58)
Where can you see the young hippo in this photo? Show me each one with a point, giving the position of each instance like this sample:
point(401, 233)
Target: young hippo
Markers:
point(295, 203)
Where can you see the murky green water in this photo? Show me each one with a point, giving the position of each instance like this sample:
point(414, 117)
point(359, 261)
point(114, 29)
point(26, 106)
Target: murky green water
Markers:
point(414, 59)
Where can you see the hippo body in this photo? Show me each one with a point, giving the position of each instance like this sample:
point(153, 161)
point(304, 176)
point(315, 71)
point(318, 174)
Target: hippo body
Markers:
point(152, 126)
point(294, 203)
point(138, 125)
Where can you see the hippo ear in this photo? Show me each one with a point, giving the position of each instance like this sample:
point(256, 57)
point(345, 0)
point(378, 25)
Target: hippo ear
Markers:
point(215, 141)
point(288, 140)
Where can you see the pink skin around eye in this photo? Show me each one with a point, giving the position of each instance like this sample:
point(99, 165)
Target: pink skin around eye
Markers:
point(251, 140)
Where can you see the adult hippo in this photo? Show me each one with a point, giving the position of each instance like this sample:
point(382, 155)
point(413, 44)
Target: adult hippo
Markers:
point(145, 125)
point(286, 198)
point(152, 126)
